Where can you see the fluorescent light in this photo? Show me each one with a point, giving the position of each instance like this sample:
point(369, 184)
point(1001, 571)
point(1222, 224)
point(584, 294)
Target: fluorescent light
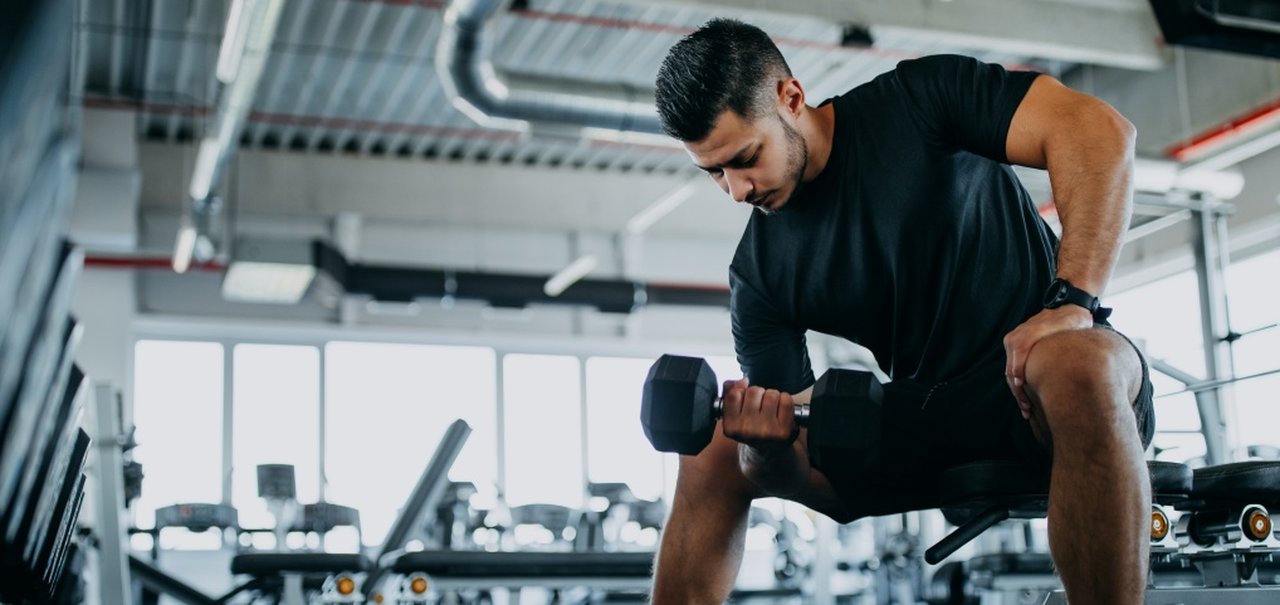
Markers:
point(282, 283)
point(630, 136)
point(268, 271)
point(259, 38)
point(646, 218)
point(202, 176)
point(183, 248)
point(233, 42)
point(570, 275)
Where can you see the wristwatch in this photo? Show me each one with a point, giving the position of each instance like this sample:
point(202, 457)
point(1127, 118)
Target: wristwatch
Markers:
point(1061, 292)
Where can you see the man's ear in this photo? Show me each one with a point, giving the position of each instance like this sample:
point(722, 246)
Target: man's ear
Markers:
point(790, 97)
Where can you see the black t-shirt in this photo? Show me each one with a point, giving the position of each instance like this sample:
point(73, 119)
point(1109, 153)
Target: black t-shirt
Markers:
point(916, 241)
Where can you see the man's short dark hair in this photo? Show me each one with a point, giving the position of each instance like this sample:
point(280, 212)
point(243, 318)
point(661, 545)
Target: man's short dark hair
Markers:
point(726, 64)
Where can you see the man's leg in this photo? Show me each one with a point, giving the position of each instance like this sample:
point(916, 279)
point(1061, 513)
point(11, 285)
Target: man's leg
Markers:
point(1082, 386)
point(703, 539)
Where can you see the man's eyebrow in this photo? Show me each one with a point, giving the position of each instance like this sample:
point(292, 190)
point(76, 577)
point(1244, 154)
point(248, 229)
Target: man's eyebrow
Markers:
point(736, 159)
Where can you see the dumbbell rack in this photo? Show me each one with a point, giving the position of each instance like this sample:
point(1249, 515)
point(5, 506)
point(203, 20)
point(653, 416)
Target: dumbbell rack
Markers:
point(42, 448)
point(1211, 556)
point(1225, 532)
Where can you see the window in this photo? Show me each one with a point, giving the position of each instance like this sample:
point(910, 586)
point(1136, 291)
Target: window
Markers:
point(387, 406)
point(542, 398)
point(1164, 317)
point(276, 415)
point(617, 450)
point(177, 399)
point(1252, 304)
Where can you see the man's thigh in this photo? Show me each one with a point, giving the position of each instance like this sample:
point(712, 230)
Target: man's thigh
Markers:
point(928, 428)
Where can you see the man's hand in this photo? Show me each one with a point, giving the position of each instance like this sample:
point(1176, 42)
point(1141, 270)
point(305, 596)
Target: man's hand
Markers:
point(1018, 343)
point(763, 419)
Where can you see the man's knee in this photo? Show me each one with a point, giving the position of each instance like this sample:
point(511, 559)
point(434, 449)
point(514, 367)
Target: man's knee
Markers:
point(1083, 376)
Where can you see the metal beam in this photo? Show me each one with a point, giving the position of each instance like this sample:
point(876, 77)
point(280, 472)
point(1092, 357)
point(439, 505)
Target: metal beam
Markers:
point(420, 64)
point(282, 69)
point(414, 113)
point(1125, 35)
point(335, 93)
point(1210, 249)
point(113, 571)
point(373, 81)
point(117, 46)
point(318, 61)
point(149, 83)
point(183, 73)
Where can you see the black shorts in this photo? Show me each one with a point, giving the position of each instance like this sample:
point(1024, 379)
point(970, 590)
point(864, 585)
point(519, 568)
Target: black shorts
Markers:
point(929, 428)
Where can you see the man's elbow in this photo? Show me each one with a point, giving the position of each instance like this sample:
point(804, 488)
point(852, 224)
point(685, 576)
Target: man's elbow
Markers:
point(1109, 127)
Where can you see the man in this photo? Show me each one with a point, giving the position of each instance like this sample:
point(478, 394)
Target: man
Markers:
point(890, 216)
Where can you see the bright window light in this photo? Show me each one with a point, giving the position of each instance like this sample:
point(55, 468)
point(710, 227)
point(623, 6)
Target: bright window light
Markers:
point(1251, 290)
point(276, 411)
point(177, 399)
point(1165, 316)
point(617, 450)
point(542, 397)
point(387, 407)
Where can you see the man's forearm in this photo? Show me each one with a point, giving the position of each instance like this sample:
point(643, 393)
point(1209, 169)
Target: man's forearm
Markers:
point(1091, 171)
point(782, 473)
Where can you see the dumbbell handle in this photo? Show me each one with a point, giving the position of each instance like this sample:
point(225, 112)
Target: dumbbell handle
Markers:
point(801, 409)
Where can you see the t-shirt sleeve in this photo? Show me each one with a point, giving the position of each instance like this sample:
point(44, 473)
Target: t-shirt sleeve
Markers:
point(771, 351)
point(964, 103)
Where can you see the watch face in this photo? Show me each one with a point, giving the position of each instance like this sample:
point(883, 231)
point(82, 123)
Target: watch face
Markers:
point(1056, 294)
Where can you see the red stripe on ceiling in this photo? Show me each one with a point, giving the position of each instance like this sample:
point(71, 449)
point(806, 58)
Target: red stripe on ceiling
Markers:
point(143, 262)
point(1220, 135)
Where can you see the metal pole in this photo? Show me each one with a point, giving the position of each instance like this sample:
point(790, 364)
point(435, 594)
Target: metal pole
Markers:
point(500, 426)
point(1213, 329)
point(114, 584)
point(1226, 344)
point(824, 561)
point(582, 429)
point(228, 418)
point(324, 477)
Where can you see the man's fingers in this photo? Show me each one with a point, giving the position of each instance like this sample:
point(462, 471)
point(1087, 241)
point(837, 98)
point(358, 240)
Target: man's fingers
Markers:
point(786, 406)
point(752, 400)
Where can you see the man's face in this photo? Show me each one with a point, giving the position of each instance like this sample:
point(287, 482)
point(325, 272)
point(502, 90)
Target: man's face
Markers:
point(759, 162)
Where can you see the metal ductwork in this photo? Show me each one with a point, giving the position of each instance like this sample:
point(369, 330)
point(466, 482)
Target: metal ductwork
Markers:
point(522, 103)
point(509, 290)
point(242, 57)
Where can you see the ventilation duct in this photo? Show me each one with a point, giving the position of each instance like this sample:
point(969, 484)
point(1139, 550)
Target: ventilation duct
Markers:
point(510, 290)
point(528, 104)
point(1241, 26)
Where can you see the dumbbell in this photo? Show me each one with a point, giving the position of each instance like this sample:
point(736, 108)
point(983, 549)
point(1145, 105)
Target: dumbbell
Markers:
point(681, 404)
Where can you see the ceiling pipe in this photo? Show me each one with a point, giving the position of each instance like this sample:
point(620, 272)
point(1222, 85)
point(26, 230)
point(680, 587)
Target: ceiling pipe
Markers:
point(505, 290)
point(395, 284)
point(533, 105)
point(251, 27)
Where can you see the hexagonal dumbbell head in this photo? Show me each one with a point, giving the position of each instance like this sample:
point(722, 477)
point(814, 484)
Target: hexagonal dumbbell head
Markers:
point(677, 406)
point(844, 421)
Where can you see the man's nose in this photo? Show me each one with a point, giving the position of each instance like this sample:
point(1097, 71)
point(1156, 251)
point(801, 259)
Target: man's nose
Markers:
point(740, 187)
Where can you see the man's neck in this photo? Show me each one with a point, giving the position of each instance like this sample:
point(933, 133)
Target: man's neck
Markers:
point(818, 126)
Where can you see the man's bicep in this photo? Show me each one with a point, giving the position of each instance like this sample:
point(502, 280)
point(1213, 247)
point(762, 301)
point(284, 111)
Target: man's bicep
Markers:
point(1051, 108)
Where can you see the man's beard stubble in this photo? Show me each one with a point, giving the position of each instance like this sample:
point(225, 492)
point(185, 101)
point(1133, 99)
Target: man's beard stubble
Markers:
point(797, 159)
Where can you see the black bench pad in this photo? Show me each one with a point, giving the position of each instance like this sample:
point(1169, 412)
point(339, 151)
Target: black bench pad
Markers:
point(474, 564)
point(276, 563)
point(1257, 482)
point(998, 481)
